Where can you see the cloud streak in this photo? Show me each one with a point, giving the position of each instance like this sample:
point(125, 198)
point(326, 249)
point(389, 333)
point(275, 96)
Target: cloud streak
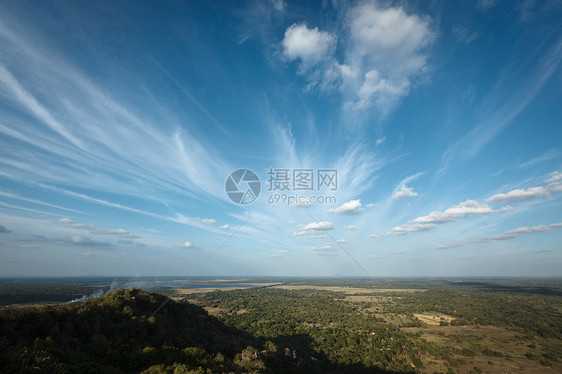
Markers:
point(506, 235)
point(547, 191)
point(451, 214)
point(504, 103)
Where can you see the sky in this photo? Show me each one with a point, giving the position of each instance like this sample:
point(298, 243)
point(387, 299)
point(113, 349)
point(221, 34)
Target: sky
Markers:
point(382, 138)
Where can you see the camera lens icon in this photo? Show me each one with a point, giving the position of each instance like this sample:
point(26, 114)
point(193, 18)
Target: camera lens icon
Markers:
point(243, 186)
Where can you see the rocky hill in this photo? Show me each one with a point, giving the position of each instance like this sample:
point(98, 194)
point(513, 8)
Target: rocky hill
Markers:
point(120, 332)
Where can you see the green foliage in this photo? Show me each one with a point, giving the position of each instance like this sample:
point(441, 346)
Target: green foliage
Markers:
point(288, 331)
point(115, 332)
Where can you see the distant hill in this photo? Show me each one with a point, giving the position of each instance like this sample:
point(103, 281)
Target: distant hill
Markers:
point(119, 332)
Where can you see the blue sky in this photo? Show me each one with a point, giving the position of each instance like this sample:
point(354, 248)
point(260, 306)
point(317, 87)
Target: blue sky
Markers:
point(121, 121)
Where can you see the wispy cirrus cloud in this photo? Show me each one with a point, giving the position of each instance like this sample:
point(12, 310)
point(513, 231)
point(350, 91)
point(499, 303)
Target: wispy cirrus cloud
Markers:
point(121, 233)
point(504, 102)
point(506, 235)
point(107, 139)
point(548, 155)
point(69, 241)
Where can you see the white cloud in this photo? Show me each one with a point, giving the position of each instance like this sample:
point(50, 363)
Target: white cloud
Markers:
point(518, 195)
point(426, 223)
point(411, 227)
point(119, 232)
point(386, 89)
point(80, 240)
point(28, 101)
point(69, 241)
point(351, 207)
point(278, 5)
point(326, 250)
point(351, 227)
point(548, 155)
point(318, 226)
point(510, 234)
point(404, 193)
point(469, 207)
point(205, 221)
point(464, 35)
point(313, 227)
point(311, 46)
point(486, 4)
point(122, 233)
point(65, 220)
point(387, 49)
point(530, 193)
point(384, 51)
point(379, 32)
point(281, 253)
point(84, 114)
point(224, 227)
point(554, 187)
point(506, 235)
point(555, 176)
point(186, 244)
point(436, 217)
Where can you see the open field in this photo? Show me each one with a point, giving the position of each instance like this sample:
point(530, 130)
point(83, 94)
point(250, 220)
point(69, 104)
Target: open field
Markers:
point(433, 319)
point(189, 291)
point(347, 290)
point(504, 350)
